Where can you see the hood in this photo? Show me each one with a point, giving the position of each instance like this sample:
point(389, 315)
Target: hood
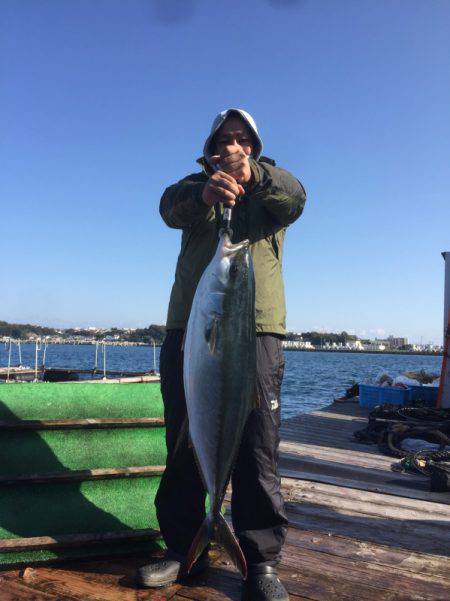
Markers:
point(249, 121)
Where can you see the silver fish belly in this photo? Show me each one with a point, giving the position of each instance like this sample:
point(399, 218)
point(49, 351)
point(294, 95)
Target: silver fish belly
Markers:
point(219, 380)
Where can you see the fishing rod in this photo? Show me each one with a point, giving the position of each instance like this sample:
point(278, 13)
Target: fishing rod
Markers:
point(227, 212)
point(226, 219)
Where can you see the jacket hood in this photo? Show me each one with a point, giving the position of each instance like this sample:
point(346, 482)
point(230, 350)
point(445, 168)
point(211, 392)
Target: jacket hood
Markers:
point(218, 121)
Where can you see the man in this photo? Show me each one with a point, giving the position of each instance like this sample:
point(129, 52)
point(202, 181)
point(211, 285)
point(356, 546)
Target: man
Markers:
point(265, 200)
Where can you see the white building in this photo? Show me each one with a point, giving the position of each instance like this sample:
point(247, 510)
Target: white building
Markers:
point(298, 345)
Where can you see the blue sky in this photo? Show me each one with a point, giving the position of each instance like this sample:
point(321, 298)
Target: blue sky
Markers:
point(103, 104)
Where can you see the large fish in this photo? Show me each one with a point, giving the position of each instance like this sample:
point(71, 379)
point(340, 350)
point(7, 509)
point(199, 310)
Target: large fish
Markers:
point(219, 381)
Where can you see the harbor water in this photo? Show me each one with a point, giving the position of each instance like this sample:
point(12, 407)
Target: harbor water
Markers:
point(311, 379)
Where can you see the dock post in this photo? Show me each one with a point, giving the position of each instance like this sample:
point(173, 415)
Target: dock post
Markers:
point(446, 256)
point(445, 394)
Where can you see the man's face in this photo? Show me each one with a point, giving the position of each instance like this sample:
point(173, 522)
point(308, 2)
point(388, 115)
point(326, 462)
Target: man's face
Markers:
point(234, 132)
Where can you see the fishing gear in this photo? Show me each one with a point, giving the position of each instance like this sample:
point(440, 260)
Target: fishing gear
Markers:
point(226, 221)
point(226, 216)
point(389, 425)
point(434, 465)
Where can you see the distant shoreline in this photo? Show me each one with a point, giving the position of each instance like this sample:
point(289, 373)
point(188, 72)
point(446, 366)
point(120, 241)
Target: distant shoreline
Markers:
point(286, 350)
point(363, 352)
point(84, 343)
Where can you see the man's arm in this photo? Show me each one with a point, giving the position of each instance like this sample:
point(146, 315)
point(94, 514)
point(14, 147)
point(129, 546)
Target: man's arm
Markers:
point(278, 191)
point(181, 204)
point(191, 200)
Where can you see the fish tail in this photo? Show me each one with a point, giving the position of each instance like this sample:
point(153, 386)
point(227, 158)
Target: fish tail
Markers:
point(225, 537)
point(200, 542)
point(215, 528)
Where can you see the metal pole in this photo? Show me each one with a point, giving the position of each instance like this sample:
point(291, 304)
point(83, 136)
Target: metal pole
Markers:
point(444, 392)
point(154, 355)
point(36, 355)
point(19, 348)
point(9, 361)
point(446, 256)
point(104, 361)
point(96, 356)
point(44, 354)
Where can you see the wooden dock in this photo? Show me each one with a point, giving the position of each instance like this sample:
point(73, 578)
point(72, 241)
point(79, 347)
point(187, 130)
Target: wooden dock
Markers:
point(359, 532)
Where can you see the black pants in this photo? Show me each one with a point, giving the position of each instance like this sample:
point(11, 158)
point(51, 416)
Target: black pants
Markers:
point(257, 506)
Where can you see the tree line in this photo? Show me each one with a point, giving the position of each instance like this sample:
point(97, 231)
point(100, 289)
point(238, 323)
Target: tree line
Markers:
point(27, 331)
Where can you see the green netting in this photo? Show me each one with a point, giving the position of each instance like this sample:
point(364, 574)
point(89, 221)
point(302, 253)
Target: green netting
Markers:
point(48, 400)
point(94, 550)
point(69, 508)
point(32, 452)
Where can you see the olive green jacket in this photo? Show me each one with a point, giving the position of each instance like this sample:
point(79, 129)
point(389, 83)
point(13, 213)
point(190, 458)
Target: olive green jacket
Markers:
point(274, 200)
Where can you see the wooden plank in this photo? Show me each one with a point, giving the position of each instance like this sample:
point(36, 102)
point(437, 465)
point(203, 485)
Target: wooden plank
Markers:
point(396, 533)
point(375, 485)
point(354, 457)
point(69, 424)
point(313, 433)
point(216, 585)
point(221, 582)
point(9, 545)
point(322, 449)
point(350, 548)
point(392, 519)
point(347, 443)
point(378, 487)
point(17, 591)
point(102, 580)
point(362, 580)
point(68, 584)
point(130, 380)
point(409, 487)
point(327, 426)
point(306, 576)
point(116, 572)
point(335, 496)
point(83, 475)
point(334, 415)
point(109, 372)
point(366, 502)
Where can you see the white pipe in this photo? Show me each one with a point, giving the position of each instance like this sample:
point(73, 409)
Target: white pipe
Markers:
point(445, 400)
point(104, 361)
point(36, 355)
point(19, 348)
point(9, 360)
point(44, 354)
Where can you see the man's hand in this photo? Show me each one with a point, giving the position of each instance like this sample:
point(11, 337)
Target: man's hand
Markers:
point(221, 187)
point(234, 161)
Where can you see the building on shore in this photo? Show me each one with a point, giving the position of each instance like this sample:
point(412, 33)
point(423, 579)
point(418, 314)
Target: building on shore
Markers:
point(392, 342)
point(304, 345)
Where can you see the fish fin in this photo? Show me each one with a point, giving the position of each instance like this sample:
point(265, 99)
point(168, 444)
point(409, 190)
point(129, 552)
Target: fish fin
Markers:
point(217, 529)
point(200, 542)
point(212, 335)
point(225, 537)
